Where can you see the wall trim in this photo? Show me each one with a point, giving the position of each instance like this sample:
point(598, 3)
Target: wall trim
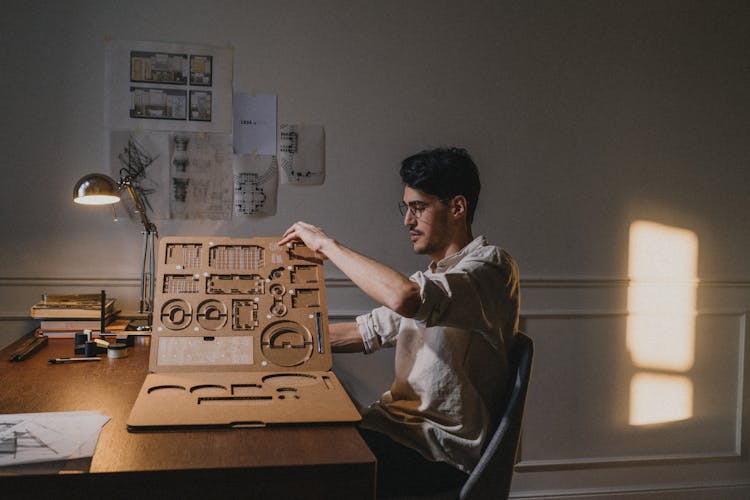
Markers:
point(576, 282)
point(343, 282)
point(630, 461)
point(339, 282)
point(666, 458)
point(646, 491)
point(68, 281)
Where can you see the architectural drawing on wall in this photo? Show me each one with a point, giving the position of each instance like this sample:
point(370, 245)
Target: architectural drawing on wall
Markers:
point(200, 176)
point(200, 105)
point(180, 158)
point(200, 70)
point(158, 104)
point(302, 154)
point(142, 156)
point(158, 67)
point(168, 86)
point(255, 183)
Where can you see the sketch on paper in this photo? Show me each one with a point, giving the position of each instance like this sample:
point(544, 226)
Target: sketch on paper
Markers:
point(18, 439)
point(47, 437)
point(200, 176)
point(144, 157)
point(302, 154)
point(255, 183)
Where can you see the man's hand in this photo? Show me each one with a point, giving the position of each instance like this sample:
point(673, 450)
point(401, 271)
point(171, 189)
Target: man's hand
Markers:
point(313, 237)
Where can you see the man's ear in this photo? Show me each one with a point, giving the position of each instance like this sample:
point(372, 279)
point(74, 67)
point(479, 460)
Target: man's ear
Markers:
point(459, 206)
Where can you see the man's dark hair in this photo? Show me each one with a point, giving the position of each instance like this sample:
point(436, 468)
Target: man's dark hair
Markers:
point(445, 173)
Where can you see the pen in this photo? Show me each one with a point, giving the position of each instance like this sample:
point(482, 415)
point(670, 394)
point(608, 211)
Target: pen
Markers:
point(58, 361)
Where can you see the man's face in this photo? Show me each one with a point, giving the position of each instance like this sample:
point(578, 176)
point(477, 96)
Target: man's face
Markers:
point(427, 220)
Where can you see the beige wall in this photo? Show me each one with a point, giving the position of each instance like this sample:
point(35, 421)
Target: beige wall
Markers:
point(584, 116)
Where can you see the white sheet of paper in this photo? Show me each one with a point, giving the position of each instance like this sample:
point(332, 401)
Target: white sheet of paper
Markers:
point(47, 437)
point(302, 154)
point(254, 123)
point(201, 176)
point(255, 183)
point(168, 86)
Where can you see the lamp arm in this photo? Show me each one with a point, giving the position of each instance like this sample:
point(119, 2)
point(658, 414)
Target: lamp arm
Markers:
point(148, 268)
point(140, 208)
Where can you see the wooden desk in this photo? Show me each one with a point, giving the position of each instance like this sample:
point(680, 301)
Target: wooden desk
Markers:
point(321, 461)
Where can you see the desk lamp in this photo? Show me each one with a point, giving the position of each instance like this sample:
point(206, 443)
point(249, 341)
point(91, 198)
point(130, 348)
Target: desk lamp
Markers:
point(100, 189)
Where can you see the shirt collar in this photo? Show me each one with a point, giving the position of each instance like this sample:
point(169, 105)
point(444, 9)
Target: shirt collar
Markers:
point(450, 261)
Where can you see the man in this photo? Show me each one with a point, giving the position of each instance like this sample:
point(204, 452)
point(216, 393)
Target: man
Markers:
point(451, 327)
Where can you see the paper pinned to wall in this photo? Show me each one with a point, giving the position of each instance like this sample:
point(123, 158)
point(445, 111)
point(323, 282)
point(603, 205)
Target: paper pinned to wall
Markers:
point(186, 175)
point(144, 155)
point(168, 86)
point(47, 437)
point(255, 185)
point(200, 176)
point(254, 124)
point(302, 154)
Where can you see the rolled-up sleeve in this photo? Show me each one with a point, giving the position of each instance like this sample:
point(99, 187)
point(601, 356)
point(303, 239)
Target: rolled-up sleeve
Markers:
point(379, 328)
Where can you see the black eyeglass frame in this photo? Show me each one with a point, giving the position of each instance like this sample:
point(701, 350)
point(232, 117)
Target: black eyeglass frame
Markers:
point(403, 207)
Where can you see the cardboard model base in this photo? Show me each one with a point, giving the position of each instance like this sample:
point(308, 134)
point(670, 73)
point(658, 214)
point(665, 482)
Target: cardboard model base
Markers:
point(239, 400)
point(239, 338)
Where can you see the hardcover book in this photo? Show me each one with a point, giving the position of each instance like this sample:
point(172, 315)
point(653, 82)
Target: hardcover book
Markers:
point(78, 306)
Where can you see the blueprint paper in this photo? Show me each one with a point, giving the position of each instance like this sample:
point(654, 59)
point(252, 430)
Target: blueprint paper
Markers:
point(186, 175)
point(302, 154)
point(168, 86)
point(200, 176)
point(255, 184)
point(47, 437)
point(254, 124)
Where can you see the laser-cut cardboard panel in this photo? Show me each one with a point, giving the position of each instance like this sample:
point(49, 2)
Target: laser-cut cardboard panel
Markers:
point(229, 304)
point(253, 399)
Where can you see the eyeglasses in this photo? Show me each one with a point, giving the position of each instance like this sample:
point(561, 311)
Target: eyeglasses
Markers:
point(416, 208)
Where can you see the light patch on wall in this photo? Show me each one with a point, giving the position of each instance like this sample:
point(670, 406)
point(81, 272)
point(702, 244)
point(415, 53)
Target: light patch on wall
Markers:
point(657, 398)
point(663, 270)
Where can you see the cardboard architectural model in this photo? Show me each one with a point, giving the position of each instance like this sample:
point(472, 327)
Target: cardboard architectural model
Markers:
point(239, 338)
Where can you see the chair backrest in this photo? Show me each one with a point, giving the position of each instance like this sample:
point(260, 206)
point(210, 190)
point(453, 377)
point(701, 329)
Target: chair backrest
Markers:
point(491, 478)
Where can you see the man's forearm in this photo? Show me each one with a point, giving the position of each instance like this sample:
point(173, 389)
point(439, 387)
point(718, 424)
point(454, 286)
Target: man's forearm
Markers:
point(380, 282)
point(345, 337)
point(385, 285)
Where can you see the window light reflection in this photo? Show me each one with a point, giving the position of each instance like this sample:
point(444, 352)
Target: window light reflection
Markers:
point(663, 262)
point(657, 398)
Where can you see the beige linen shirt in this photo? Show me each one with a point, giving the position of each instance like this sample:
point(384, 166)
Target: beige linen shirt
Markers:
point(450, 362)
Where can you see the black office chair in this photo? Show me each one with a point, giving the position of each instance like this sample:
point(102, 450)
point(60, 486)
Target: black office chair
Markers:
point(491, 478)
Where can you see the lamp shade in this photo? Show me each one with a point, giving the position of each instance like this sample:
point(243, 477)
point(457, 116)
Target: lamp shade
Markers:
point(96, 189)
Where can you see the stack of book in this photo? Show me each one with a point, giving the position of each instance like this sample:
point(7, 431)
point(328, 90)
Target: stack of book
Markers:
point(63, 315)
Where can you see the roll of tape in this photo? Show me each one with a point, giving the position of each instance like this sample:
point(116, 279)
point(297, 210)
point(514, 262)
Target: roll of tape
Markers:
point(117, 351)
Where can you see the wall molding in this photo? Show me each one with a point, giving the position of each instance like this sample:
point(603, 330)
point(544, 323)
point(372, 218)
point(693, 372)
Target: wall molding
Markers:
point(734, 455)
point(672, 490)
point(550, 283)
point(68, 281)
point(342, 282)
